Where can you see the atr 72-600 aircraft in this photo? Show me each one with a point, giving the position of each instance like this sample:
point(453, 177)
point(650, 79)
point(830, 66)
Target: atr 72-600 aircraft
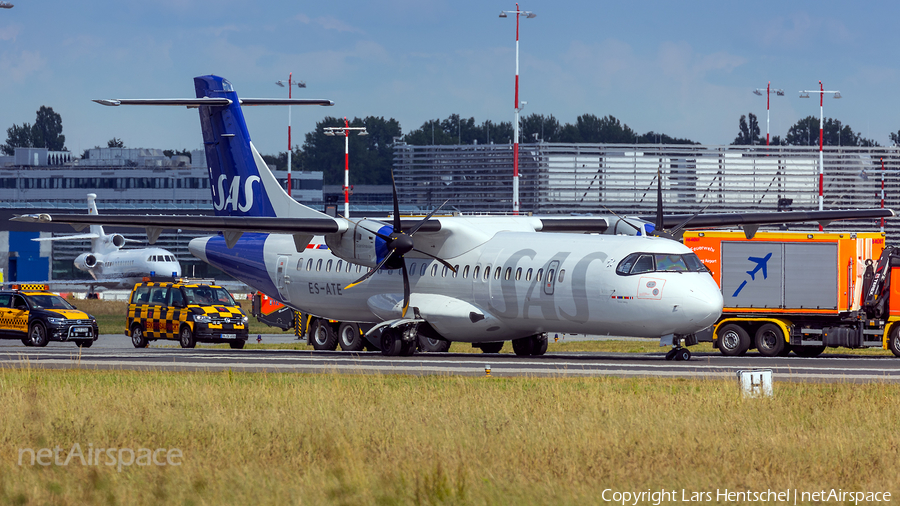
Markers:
point(113, 267)
point(478, 279)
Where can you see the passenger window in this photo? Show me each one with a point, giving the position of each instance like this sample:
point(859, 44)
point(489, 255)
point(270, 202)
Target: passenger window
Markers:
point(466, 272)
point(444, 272)
point(141, 295)
point(518, 273)
point(456, 271)
point(299, 263)
point(309, 265)
point(319, 265)
point(412, 269)
point(487, 271)
point(528, 275)
point(475, 272)
point(549, 276)
point(158, 294)
point(424, 266)
point(328, 266)
point(562, 274)
point(339, 266)
point(540, 274)
point(507, 274)
point(434, 270)
point(497, 272)
point(176, 297)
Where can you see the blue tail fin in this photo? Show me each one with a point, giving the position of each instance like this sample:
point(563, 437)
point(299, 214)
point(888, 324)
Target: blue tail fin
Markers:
point(240, 181)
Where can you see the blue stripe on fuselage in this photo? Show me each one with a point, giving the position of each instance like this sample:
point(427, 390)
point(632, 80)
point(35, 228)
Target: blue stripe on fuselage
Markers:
point(245, 261)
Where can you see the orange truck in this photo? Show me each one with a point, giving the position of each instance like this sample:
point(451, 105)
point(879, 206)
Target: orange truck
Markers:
point(801, 292)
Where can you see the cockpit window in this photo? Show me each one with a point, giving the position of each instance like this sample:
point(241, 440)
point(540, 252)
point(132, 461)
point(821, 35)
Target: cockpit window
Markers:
point(639, 263)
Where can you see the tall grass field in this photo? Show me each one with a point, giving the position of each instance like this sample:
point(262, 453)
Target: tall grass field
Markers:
point(255, 438)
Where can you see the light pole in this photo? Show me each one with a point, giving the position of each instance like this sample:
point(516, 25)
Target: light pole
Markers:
point(805, 94)
point(518, 105)
point(290, 86)
point(769, 91)
point(345, 131)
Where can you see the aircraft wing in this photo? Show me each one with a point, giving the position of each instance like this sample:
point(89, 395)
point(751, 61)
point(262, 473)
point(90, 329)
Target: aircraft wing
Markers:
point(734, 219)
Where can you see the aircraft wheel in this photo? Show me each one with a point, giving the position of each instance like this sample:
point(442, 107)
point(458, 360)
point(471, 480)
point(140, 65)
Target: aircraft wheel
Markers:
point(138, 339)
point(809, 351)
point(670, 355)
point(522, 346)
point(433, 344)
point(186, 337)
point(323, 337)
point(349, 337)
point(682, 354)
point(491, 347)
point(391, 342)
point(770, 340)
point(733, 340)
point(539, 344)
point(408, 348)
point(39, 335)
point(894, 341)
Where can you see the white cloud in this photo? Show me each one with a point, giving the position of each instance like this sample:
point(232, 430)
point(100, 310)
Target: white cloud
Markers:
point(18, 67)
point(10, 32)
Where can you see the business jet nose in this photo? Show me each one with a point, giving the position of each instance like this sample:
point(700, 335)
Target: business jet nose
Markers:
point(705, 303)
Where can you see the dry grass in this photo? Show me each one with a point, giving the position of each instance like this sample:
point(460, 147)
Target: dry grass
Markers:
point(344, 439)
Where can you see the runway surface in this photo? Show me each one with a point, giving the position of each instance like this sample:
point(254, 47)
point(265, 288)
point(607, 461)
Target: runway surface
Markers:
point(116, 352)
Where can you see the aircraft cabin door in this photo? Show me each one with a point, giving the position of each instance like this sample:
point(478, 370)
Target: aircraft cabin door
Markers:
point(282, 278)
point(550, 281)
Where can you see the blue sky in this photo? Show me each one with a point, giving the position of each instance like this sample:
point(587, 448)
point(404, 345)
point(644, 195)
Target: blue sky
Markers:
point(683, 68)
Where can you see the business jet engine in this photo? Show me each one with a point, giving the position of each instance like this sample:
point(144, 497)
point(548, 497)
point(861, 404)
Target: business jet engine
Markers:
point(117, 240)
point(85, 261)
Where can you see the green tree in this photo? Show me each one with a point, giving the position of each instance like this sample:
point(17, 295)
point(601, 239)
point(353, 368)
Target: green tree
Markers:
point(895, 138)
point(47, 130)
point(652, 137)
point(538, 126)
point(371, 156)
point(748, 134)
point(17, 137)
point(834, 133)
point(115, 142)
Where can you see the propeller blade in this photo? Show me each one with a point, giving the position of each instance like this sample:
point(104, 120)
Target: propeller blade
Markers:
point(685, 222)
point(441, 260)
point(419, 224)
point(369, 274)
point(405, 289)
point(397, 228)
point(610, 211)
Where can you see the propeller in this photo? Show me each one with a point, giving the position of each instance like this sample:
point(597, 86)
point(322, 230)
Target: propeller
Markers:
point(399, 243)
point(658, 231)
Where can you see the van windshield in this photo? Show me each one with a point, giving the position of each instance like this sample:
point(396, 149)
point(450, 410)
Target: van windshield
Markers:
point(207, 295)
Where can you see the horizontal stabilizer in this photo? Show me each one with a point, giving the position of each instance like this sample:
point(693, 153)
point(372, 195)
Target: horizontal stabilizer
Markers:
point(315, 226)
point(75, 237)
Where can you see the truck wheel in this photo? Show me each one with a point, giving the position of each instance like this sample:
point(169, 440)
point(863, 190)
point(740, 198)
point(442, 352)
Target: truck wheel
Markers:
point(808, 351)
point(186, 337)
point(138, 339)
point(323, 337)
point(349, 337)
point(770, 340)
point(894, 341)
point(733, 340)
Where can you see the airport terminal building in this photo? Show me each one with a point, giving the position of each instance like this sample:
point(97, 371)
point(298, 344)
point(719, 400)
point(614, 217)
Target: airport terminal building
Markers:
point(554, 178)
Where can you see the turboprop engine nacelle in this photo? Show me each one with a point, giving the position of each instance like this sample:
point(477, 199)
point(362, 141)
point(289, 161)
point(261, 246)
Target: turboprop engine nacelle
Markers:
point(85, 261)
point(117, 240)
point(358, 244)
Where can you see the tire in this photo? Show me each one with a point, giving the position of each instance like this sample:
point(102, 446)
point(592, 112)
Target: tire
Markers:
point(522, 346)
point(85, 343)
point(349, 337)
point(733, 340)
point(808, 351)
point(186, 337)
point(894, 341)
point(682, 354)
point(27, 341)
point(138, 339)
point(538, 344)
point(390, 342)
point(491, 347)
point(786, 351)
point(38, 335)
point(408, 348)
point(770, 340)
point(237, 345)
point(433, 344)
point(323, 337)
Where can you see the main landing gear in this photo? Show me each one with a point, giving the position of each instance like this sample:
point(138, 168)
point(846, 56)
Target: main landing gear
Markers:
point(678, 354)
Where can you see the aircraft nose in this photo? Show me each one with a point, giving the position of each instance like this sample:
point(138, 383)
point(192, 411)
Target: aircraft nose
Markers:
point(706, 303)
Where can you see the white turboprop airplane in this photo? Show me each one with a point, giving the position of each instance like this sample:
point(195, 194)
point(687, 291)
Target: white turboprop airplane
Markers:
point(477, 279)
point(109, 264)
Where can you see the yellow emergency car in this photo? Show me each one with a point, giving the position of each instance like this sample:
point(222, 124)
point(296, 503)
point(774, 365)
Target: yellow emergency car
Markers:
point(187, 311)
point(36, 316)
